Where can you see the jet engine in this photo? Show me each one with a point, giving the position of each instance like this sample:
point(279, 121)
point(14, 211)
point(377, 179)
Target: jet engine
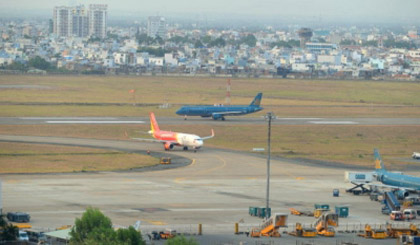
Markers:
point(168, 146)
point(217, 116)
point(401, 194)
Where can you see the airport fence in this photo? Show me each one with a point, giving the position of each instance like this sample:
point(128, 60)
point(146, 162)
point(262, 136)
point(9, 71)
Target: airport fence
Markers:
point(193, 229)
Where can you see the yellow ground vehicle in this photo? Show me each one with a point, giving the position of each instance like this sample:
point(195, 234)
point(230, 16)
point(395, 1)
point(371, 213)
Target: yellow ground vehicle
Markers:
point(322, 225)
point(319, 211)
point(398, 232)
point(299, 213)
point(271, 226)
point(300, 231)
point(375, 234)
point(165, 160)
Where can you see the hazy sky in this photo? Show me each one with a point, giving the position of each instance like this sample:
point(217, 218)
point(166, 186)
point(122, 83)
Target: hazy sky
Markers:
point(381, 10)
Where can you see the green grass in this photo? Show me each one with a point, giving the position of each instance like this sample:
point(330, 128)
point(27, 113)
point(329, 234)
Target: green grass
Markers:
point(34, 158)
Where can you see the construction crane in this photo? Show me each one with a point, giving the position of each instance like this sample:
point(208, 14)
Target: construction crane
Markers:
point(270, 227)
point(324, 223)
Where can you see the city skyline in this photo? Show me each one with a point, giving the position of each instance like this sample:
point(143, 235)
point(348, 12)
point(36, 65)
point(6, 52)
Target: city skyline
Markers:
point(387, 11)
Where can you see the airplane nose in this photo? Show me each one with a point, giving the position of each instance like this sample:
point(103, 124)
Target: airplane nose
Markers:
point(180, 111)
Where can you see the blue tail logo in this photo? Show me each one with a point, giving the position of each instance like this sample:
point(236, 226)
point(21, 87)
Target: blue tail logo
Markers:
point(257, 100)
point(379, 166)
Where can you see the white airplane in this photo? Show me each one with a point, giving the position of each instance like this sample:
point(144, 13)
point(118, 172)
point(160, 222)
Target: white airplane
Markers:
point(171, 139)
point(416, 155)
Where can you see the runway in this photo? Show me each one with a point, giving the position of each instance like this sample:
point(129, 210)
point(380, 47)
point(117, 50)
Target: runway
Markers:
point(215, 190)
point(208, 121)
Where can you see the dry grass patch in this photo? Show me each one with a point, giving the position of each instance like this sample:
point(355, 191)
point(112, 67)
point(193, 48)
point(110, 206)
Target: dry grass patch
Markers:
point(40, 158)
point(352, 144)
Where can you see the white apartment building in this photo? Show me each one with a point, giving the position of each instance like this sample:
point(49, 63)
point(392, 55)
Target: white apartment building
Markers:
point(156, 26)
point(98, 20)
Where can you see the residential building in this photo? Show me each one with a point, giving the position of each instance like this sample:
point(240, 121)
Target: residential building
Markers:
point(80, 22)
point(156, 26)
point(62, 21)
point(97, 20)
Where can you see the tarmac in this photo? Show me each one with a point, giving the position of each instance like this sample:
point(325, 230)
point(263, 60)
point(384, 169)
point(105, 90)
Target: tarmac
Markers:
point(211, 187)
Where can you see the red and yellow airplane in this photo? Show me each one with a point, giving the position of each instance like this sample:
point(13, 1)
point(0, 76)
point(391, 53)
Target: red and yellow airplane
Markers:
point(171, 139)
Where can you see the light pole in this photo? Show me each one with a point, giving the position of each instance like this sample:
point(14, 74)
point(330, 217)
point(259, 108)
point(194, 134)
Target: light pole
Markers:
point(269, 117)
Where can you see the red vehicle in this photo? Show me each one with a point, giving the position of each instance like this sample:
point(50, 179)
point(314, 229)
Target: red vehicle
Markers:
point(396, 215)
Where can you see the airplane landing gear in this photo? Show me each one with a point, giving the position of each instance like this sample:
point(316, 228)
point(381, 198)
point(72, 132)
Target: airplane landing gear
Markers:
point(185, 117)
point(185, 148)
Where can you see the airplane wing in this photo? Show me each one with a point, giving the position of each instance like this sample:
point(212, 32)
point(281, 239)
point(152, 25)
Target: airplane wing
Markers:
point(227, 113)
point(209, 137)
point(155, 140)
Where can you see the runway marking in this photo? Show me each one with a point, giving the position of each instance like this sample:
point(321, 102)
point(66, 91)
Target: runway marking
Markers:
point(154, 222)
point(93, 122)
point(251, 178)
point(333, 122)
point(298, 118)
point(68, 118)
point(213, 169)
point(179, 180)
point(282, 170)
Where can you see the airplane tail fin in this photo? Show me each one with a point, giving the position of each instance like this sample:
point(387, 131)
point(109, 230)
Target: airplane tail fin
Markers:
point(257, 100)
point(153, 123)
point(379, 165)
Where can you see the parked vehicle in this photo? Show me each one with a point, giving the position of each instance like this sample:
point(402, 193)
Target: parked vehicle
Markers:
point(409, 214)
point(23, 236)
point(18, 217)
point(396, 215)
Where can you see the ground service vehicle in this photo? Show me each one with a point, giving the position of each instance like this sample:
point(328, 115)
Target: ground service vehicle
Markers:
point(396, 215)
point(18, 217)
point(23, 236)
point(270, 226)
point(372, 233)
point(324, 223)
point(398, 232)
point(300, 231)
point(409, 214)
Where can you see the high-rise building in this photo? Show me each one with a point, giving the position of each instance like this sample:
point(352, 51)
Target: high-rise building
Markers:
point(156, 26)
point(62, 21)
point(97, 20)
point(80, 22)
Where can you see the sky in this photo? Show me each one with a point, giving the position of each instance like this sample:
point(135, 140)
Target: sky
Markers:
point(370, 10)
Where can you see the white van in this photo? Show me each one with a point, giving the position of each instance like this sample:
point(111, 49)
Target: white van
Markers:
point(409, 214)
point(23, 236)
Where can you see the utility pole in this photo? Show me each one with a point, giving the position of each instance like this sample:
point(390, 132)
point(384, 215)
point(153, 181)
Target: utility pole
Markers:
point(269, 117)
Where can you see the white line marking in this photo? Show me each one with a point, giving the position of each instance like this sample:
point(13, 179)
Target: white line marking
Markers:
point(93, 122)
point(68, 118)
point(298, 118)
point(333, 122)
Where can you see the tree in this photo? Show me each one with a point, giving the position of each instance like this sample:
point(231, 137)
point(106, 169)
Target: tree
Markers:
point(130, 236)
point(181, 240)
point(198, 44)
point(206, 39)
point(96, 228)
point(250, 40)
point(219, 42)
point(16, 66)
point(39, 63)
point(10, 232)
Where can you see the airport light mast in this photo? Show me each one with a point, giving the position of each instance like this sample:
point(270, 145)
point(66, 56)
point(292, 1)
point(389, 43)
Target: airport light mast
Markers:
point(270, 116)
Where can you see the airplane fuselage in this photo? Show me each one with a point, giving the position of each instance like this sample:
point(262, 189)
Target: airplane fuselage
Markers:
point(179, 139)
point(209, 111)
point(400, 180)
